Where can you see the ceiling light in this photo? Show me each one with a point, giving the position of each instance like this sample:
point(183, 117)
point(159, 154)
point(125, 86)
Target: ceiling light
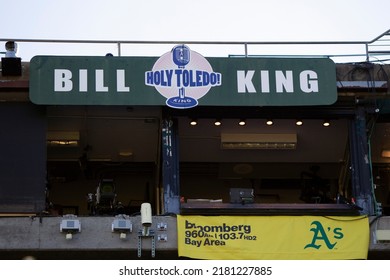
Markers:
point(385, 153)
point(259, 141)
point(63, 138)
point(65, 143)
point(193, 122)
point(242, 122)
point(299, 122)
point(125, 153)
point(217, 122)
point(269, 122)
point(326, 123)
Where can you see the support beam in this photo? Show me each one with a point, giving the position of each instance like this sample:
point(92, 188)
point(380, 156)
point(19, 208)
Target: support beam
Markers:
point(170, 166)
point(360, 163)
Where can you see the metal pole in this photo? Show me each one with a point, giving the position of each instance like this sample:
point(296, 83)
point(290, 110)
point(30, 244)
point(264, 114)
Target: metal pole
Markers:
point(170, 167)
point(360, 165)
point(119, 49)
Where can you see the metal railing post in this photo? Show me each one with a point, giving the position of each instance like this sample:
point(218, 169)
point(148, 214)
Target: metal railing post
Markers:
point(119, 48)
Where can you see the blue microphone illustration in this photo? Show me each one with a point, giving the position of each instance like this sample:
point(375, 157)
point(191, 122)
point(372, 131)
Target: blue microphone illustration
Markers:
point(181, 57)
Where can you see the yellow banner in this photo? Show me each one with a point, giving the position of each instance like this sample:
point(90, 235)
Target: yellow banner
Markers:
point(273, 237)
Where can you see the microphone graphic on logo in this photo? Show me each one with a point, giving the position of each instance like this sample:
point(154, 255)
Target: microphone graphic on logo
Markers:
point(181, 57)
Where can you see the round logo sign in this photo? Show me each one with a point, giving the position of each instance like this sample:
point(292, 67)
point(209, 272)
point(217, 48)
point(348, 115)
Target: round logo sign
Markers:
point(182, 76)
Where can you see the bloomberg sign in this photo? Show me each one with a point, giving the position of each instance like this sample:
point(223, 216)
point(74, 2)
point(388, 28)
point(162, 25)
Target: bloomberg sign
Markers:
point(182, 78)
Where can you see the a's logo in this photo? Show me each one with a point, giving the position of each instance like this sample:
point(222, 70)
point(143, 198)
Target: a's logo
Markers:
point(321, 235)
point(182, 76)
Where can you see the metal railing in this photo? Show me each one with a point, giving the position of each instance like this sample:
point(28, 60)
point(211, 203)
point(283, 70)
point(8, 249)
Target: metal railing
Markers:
point(379, 46)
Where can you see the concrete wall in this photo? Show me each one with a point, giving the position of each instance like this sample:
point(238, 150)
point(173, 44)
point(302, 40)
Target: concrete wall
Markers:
point(35, 235)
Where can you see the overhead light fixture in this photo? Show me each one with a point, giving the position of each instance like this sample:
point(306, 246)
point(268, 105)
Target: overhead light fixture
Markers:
point(193, 122)
point(63, 138)
point(126, 153)
point(217, 122)
point(385, 153)
point(259, 141)
point(269, 122)
point(242, 122)
point(326, 123)
point(299, 122)
point(64, 143)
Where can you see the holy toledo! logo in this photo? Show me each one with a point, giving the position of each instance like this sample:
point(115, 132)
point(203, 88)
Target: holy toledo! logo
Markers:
point(182, 76)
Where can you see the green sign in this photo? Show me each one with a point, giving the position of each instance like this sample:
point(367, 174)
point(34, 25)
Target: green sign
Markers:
point(182, 79)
